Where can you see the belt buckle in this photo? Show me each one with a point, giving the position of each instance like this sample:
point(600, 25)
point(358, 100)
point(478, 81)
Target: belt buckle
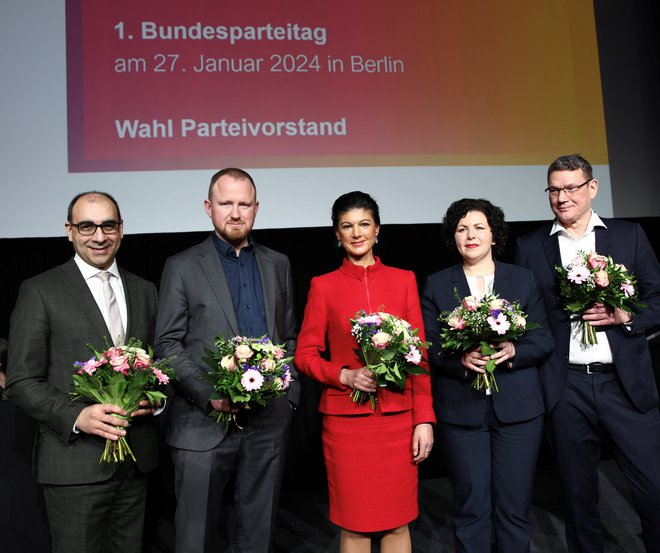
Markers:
point(589, 368)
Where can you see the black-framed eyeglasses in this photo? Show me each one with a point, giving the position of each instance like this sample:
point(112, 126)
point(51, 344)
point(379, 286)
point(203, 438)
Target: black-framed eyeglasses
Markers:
point(88, 228)
point(570, 189)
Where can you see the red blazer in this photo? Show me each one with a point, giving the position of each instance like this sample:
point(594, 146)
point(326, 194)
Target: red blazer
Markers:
point(335, 298)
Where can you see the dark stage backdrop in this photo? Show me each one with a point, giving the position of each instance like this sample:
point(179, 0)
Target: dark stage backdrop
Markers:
point(312, 251)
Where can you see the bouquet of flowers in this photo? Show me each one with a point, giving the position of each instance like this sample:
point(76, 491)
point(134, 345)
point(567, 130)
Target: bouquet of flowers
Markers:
point(389, 347)
point(246, 371)
point(592, 278)
point(122, 376)
point(479, 323)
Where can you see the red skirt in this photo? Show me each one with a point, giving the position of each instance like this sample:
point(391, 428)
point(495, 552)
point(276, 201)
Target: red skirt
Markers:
point(372, 481)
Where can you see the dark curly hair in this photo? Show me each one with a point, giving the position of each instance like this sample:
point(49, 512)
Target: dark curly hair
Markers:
point(354, 200)
point(494, 216)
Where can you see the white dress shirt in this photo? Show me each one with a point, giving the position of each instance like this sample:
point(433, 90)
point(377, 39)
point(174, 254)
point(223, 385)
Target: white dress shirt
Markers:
point(569, 246)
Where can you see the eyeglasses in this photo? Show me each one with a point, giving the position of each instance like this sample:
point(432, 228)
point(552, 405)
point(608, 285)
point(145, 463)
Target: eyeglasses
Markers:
point(570, 189)
point(87, 228)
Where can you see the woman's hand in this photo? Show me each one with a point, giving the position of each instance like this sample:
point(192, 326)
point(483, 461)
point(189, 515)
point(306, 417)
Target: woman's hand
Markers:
point(474, 361)
point(422, 442)
point(358, 379)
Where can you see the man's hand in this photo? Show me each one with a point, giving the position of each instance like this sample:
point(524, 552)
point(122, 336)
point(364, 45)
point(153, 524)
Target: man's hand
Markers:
point(98, 419)
point(223, 405)
point(145, 409)
point(600, 314)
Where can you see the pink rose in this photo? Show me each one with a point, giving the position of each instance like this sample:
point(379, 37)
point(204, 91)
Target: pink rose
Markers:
point(470, 303)
point(456, 323)
point(596, 261)
point(142, 360)
point(268, 364)
point(227, 363)
point(381, 339)
point(119, 363)
point(602, 279)
point(278, 353)
point(243, 352)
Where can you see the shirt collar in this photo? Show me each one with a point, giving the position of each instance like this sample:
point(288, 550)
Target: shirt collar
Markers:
point(594, 221)
point(225, 249)
point(88, 271)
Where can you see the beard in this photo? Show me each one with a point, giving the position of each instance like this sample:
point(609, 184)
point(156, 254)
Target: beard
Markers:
point(234, 235)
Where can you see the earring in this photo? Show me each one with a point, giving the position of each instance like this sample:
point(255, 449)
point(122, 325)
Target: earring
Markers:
point(376, 239)
point(339, 243)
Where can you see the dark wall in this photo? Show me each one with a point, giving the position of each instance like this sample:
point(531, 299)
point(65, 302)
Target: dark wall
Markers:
point(629, 50)
point(312, 251)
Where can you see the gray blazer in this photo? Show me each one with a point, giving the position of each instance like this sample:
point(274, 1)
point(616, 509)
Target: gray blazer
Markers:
point(196, 306)
point(54, 319)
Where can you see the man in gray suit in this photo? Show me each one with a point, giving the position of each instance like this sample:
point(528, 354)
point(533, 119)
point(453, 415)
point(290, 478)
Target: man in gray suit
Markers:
point(226, 286)
point(92, 506)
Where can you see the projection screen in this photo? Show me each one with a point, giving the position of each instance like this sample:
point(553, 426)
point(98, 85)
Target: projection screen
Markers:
point(418, 103)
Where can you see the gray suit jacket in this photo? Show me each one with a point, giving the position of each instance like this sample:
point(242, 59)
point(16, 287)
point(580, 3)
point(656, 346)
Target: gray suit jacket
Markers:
point(54, 319)
point(196, 306)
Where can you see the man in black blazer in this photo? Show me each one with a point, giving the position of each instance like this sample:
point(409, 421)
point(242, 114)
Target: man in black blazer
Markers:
point(226, 286)
point(607, 387)
point(92, 506)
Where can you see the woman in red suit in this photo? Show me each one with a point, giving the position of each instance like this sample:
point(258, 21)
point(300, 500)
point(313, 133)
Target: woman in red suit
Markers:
point(371, 456)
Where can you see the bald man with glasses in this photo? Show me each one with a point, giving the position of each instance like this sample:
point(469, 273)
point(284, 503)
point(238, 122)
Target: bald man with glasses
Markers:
point(92, 507)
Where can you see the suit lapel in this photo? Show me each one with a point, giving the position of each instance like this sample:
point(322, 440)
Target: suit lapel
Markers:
point(267, 274)
point(502, 283)
point(132, 310)
point(215, 276)
point(75, 286)
point(603, 241)
point(459, 282)
point(551, 251)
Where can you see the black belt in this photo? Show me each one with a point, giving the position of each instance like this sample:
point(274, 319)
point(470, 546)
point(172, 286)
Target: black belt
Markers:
point(592, 368)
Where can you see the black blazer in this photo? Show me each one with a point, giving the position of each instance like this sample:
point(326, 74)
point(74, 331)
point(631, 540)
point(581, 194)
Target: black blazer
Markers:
point(520, 397)
point(627, 244)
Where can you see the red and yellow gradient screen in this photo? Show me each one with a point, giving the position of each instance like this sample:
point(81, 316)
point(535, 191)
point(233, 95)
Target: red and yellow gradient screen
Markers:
point(164, 84)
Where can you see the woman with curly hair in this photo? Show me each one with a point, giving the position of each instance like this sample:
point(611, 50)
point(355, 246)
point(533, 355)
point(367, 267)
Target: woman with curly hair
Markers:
point(490, 439)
